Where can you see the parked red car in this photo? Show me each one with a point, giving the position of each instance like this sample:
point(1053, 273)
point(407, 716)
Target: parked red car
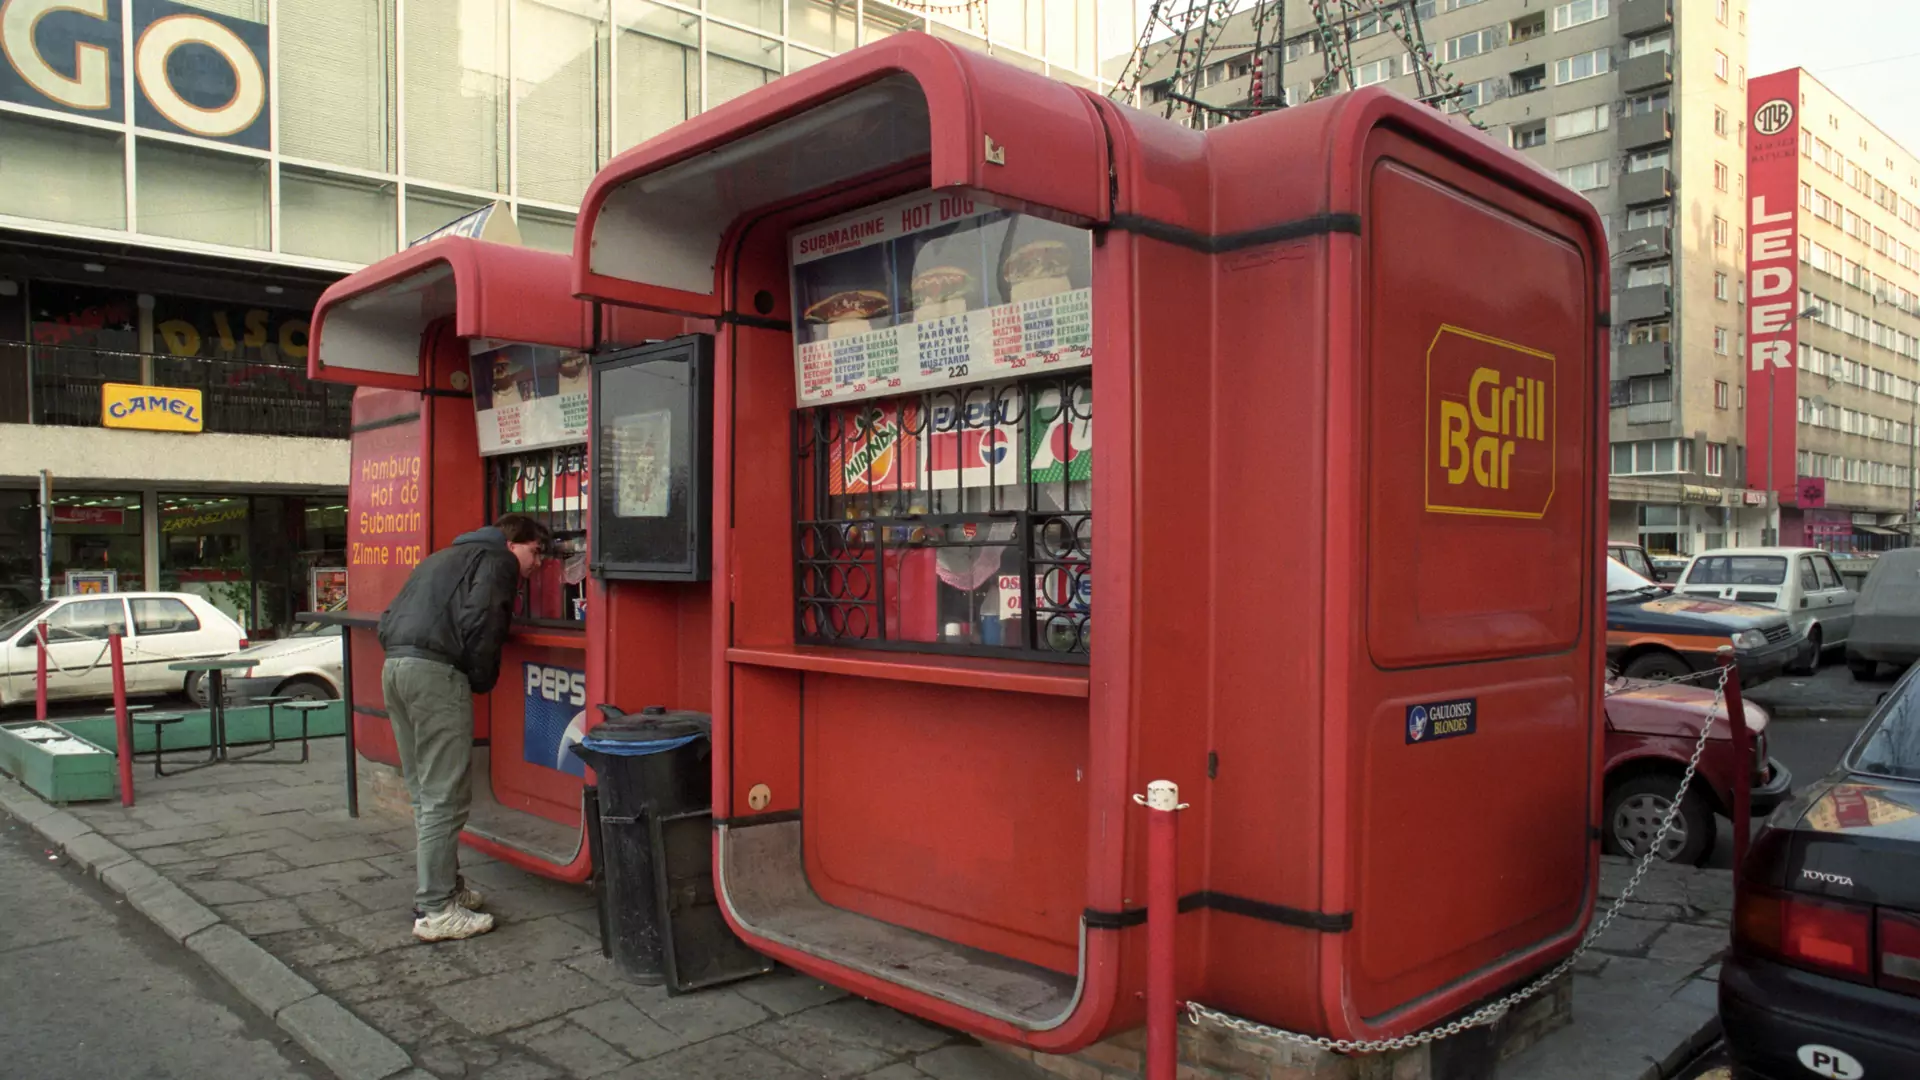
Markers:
point(1652, 728)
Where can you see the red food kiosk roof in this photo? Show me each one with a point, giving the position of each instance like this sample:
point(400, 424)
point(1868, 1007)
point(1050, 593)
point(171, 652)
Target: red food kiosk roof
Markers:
point(368, 326)
point(653, 220)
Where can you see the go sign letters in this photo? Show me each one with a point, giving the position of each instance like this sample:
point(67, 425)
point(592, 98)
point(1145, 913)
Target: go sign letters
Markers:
point(194, 73)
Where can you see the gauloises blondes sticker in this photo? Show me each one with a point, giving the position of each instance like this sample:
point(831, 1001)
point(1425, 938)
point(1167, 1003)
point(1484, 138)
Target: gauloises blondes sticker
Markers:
point(936, 289)
point(1490, 448)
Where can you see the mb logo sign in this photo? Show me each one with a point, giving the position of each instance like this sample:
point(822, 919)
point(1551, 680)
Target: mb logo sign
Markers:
point(194, 73)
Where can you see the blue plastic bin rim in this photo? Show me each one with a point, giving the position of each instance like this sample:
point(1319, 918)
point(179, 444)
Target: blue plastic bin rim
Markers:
point(634, 748)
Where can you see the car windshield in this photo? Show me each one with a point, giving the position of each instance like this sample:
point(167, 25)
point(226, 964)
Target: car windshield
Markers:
point(1622, 580)
point(24, 619)
point(1738, 570)
point(1890, 746)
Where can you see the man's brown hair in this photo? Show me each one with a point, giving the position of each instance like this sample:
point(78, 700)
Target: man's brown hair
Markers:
point(521, 529)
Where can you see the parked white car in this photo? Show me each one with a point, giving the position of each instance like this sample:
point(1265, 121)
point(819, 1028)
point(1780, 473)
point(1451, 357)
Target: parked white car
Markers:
point(157, 629)
point(1803, 582)
point(304, 666)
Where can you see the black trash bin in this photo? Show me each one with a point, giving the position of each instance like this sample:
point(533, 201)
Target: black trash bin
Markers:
point(660, 921)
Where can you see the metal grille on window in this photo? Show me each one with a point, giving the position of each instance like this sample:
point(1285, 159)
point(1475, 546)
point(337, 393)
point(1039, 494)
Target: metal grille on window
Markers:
point(958, 520)
point(549, 486)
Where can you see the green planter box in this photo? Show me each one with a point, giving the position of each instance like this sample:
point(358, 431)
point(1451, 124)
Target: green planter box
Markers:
point(57, 765)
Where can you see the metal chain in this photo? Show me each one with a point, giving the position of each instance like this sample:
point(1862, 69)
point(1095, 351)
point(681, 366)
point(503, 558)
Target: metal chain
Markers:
point(1200, 1014)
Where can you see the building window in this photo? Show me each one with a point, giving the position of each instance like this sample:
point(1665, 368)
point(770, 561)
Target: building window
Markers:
point(1743, 76)
point(1720, 65)
point(1650, 159)
point(1648, 332)
point(1719, 231)
point(1716, 459)
point(1719, 121)
point(1652, 43)
point(1480, 41)
point(1743, 23)
point(1721, 340)
point(1722, 290)
point(1719, 393)
point(1642, 104)
point(1720, 11)
point(1652, 456)
point(1527, 136)
point(1719, 176)
point(1649, 389)
point(1647, 217)
point(1587, 177)
point(1584, 66)
point(1579, 12)
point(1572, 125)
point(1377, 72)
point(1651, 274)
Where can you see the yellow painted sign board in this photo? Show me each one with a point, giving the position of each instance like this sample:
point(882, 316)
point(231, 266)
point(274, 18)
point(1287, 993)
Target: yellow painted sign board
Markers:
point(150, 408)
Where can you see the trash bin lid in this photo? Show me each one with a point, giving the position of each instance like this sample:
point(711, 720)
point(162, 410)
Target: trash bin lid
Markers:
point(653, 730)
point(636, 747)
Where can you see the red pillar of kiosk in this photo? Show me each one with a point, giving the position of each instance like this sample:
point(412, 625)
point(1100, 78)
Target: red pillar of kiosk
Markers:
point(421, 333)
point(1348, 357)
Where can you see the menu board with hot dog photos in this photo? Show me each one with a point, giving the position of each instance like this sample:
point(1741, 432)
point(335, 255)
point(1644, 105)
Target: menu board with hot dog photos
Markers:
point(526, 397)
point(936, 289)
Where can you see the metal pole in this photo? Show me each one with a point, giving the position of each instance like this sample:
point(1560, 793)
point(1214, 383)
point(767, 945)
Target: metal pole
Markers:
point(46, 535)
point(1742, 760)
point(122, 723)
point(1163, 908)
point(346, 699)
point(1913, 399)
point(40, 682)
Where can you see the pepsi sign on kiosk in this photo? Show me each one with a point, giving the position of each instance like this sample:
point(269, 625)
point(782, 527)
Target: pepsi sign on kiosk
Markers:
point(1435, 720)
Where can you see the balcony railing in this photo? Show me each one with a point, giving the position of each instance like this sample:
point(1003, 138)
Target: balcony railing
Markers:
point(238, 396)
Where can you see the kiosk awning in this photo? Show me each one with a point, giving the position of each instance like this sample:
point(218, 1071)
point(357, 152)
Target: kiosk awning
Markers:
point(367, 328)
point(653, 220)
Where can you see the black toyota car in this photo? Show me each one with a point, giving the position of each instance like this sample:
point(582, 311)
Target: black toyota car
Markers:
point(1824, 976)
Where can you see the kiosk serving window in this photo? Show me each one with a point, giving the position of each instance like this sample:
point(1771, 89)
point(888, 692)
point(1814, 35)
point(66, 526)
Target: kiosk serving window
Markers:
point(530, 405)
point(944, 444)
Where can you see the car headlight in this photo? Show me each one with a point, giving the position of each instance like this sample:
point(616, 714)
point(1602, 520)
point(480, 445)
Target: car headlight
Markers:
point(1749, 639)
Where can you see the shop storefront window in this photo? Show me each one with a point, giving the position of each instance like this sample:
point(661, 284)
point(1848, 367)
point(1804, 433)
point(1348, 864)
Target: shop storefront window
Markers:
point(204, 551)
point(19, 552)
point(262, 559)
point(97, 543)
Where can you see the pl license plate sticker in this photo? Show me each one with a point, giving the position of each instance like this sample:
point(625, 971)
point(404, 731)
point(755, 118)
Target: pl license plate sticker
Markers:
point(1435, 720)
point(1826, 1061)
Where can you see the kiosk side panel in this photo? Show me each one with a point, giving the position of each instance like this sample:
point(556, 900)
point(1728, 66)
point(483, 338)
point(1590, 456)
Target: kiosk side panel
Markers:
point(1473, 686)
point(387, 500)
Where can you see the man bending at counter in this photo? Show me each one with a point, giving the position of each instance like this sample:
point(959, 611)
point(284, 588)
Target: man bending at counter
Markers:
point(443, 636)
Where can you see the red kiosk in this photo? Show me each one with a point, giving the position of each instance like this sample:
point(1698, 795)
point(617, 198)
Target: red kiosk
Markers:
point(472, 361)
point(1350, 355)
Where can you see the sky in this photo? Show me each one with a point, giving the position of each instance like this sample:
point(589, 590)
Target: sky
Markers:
point(1866, 51)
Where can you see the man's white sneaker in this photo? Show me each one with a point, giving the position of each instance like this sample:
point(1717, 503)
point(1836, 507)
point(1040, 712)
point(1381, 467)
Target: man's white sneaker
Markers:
point(466, 895)
point(451, 923)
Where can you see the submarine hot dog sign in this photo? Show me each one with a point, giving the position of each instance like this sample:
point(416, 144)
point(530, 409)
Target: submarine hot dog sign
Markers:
point(936, 289)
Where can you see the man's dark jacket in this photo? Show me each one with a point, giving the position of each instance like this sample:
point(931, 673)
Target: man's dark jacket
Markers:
point(456, 606)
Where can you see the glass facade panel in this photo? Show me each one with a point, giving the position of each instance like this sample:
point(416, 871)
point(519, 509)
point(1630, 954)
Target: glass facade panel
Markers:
point(456, 101)
point(759, 14)
point(92, 531)
point(201, 195)
point(825, 24)
point(336, 79)
point(546, 230)
point(738, 62)
point(658, 53)
point(328, 216)
point(59, 172)
point(557, 76)
point(428, 210)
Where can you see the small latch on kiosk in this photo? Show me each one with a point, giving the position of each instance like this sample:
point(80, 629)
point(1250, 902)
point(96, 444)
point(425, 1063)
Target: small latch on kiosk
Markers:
point(1162, 795)
point(996, 154)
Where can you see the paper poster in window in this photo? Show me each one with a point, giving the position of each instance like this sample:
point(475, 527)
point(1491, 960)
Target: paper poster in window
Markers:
point(644, 464)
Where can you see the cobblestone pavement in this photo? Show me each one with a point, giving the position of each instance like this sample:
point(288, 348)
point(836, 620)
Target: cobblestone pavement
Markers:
point(1645, 996)
point(272, 852)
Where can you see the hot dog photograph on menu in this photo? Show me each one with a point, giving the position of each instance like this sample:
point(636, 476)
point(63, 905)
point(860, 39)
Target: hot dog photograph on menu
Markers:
point(936, 289)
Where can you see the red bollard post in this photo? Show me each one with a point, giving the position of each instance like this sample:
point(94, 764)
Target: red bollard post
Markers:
point(1742, 759)
point(1163, 909)
point(122, 723)
point(40, 681)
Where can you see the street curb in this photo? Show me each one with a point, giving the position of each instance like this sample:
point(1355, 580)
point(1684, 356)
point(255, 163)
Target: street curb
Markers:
point(325, 1028)
point(1684, 1053)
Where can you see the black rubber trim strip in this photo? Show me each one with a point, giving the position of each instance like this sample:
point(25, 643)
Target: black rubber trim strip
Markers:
point(368, 710)
point(1317, 225)
point(777, 817)
point(1230, 904)
point(1605, 318)
point(384, 422)
point(434, 391)
point(1114, 920)
point(758, 322)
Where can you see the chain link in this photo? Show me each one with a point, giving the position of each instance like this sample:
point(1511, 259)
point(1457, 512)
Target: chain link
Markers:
point(1198, 1014)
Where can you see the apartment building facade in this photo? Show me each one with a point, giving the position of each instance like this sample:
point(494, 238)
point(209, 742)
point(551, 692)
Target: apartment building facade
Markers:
point(1592, 90)
point(1834, 306)
point(179, 179)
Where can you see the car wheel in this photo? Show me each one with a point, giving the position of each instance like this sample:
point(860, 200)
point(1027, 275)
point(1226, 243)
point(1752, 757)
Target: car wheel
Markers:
point(304, 688)
point(196, 688)
point(1657, 665)
point(1863, 669)
point(1810, 665)
point(1635, 809)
